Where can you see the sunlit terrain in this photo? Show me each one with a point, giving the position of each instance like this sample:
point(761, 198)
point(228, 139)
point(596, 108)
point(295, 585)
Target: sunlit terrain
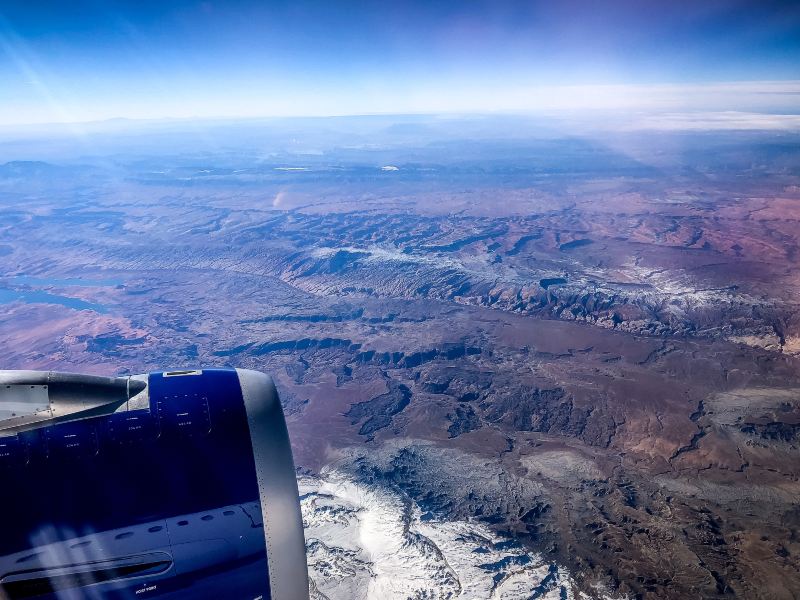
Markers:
point(561, 363)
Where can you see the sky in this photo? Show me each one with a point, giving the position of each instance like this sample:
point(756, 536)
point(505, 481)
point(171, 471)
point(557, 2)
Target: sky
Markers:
point(94, 60)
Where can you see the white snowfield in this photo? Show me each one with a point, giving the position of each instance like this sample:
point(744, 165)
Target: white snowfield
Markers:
point(366, 542)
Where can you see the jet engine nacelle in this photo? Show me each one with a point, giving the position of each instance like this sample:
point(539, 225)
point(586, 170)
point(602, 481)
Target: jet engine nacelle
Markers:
point(171, 485)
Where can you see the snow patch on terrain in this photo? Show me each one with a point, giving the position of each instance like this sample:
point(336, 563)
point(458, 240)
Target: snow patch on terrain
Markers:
point(368, 542)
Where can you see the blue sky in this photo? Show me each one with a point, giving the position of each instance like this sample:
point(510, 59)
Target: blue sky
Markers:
point(90, 60)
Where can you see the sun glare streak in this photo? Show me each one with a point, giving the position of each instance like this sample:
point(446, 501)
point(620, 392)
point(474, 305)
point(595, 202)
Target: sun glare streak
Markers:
point(36, 76)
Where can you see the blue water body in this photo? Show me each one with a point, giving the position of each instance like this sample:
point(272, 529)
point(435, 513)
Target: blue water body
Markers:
point(7, 296)
point(69, 282)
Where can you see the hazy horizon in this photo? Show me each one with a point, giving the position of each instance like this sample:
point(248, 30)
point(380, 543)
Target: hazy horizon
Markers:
point(92, 61)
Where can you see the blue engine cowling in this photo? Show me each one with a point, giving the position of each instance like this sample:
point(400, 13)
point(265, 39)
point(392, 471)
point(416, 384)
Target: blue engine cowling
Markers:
point(169, 485)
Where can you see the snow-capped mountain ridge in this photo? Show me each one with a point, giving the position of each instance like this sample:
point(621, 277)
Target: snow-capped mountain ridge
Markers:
point(369, 542)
